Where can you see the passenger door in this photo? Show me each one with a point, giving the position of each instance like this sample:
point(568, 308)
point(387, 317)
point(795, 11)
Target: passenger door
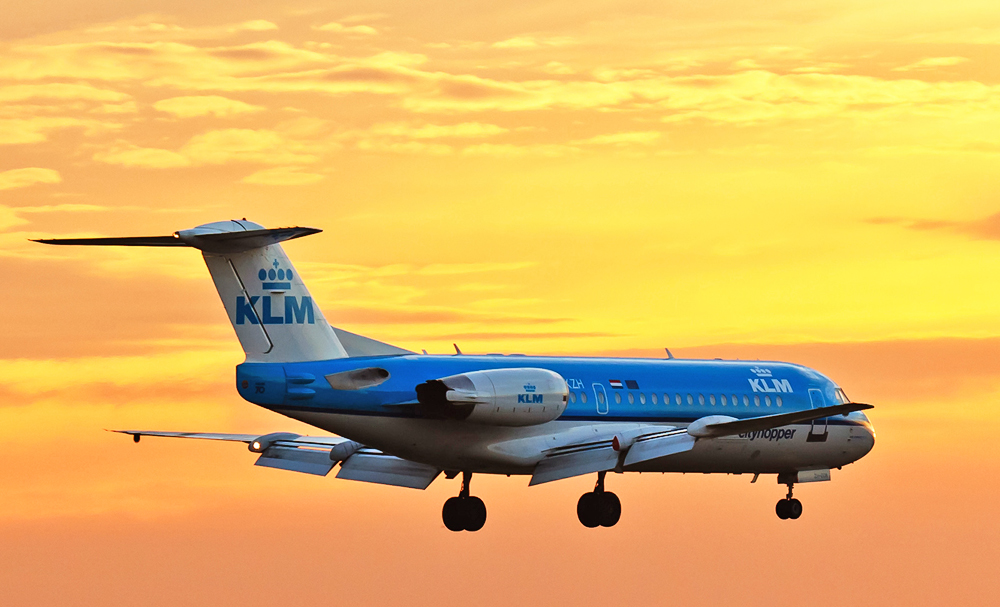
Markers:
point(819, 430)
point(601, 398)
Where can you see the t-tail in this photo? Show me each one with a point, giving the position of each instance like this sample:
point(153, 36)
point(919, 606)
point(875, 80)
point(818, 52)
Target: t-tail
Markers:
point(275, 317)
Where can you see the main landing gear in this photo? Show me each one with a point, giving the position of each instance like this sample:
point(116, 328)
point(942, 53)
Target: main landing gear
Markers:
point(465, 512)
point(788, 508)
point(599, 507)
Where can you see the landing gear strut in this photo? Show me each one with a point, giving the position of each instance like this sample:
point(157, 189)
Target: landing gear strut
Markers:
point(788, 508)
point(599, 508)
point(465, 512)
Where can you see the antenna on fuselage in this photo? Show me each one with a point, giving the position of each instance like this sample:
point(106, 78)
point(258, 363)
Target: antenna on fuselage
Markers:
point(669, 355)
point(457, 351)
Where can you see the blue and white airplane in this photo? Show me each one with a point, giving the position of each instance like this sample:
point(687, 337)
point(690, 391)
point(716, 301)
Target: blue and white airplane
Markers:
point(403, 418)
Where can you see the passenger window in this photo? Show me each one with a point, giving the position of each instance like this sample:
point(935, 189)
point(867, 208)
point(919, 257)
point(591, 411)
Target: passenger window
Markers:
point(701, 399)
point(677, 399)
point(690, 399)
point(631, 398)
point(618, 398)
point(600, 397)
point(572, 397)
point(777, 400)
point(583, 397)
point(642, 398)
point(722, 397)
point(711, 399)
point(756, 400)
point(736, 401)
point(767, 401)
point(652, 397)
point(746, 401)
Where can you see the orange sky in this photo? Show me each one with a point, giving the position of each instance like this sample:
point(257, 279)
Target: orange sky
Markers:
point(812, 181)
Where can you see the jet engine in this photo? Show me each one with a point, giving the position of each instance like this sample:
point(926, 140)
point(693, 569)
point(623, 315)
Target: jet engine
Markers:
point(499, 397)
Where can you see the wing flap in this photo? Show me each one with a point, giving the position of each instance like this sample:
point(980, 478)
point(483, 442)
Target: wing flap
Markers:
point(660, 445)
point(296, 459)
point(371, 466)
point(598, 457)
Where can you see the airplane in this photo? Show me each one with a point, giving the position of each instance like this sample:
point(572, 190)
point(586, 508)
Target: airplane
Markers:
point(402, 418)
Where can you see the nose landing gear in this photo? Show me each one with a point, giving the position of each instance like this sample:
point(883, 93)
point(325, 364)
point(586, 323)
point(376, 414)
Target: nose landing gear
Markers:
point(599, 508)
point(788, 508)
point(464, 512)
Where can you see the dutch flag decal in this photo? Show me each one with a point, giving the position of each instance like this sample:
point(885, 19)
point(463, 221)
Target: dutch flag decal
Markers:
point(615, 383)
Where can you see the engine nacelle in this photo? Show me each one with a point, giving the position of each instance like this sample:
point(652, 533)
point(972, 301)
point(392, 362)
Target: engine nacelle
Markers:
point(499, 397)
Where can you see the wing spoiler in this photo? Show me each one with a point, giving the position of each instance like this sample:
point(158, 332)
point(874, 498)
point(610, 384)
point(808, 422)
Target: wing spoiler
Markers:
point(715, 426)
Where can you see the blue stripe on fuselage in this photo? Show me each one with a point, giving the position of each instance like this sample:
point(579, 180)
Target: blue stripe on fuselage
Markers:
point(263, 383)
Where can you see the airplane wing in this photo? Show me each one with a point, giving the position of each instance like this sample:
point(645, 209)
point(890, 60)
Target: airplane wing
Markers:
point(618, 451)
point(719, 425)
point(610, 454)
point(318, 455)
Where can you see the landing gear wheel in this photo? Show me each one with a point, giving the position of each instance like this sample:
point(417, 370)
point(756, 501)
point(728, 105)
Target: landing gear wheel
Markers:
point(475, 513)
point(454, 514)
point(609, 509)
point(587, 510)
point(794, 508)
point(782, 509)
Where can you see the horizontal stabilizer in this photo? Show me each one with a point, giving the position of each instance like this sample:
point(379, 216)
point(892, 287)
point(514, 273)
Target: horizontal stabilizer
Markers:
point(202, 238)
point(766, 422)
point(128, 241)
point(372, 466)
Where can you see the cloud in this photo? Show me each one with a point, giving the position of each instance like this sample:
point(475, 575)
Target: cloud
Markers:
point(640, 137)
point(37, 128)
point(333, 26)
point(22, 178)
point(561, 69)
point(64, 208)
point(526, 42)
point(188, 107)
point(59, 91)
point(931, 63)
point(987, 228)
point(435, 131)
point(246, 145)
point(283, 176)
point(149, 158)
point(257, 25)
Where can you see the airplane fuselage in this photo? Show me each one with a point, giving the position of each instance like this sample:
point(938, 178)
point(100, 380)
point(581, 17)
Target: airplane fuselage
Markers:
point(607, 397)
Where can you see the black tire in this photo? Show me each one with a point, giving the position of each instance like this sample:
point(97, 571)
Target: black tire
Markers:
point(453, 514)
point(610, 509)
point(794, 509)
point(586, 510)
point(475, 514)
point(781, 509)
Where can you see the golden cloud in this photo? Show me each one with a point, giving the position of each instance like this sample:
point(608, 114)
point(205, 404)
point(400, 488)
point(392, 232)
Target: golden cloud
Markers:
point(247, 145)
point(283, 176)
point(150, 158)
point(333, 26)
point(188, 107)
point(21, 178)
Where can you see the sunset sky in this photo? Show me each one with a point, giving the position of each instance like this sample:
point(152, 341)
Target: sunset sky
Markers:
point(813, 181)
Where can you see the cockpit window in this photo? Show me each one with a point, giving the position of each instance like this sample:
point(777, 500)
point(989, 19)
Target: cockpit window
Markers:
point(842, 396)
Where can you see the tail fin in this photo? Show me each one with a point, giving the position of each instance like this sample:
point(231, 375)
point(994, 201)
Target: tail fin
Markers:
point(275, 317)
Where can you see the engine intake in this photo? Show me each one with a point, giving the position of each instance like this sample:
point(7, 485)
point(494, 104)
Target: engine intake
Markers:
point(499, 397)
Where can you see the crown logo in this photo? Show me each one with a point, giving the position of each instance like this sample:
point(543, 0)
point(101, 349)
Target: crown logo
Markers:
point(529, 388)
point(760, 371)
point(276, 273)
